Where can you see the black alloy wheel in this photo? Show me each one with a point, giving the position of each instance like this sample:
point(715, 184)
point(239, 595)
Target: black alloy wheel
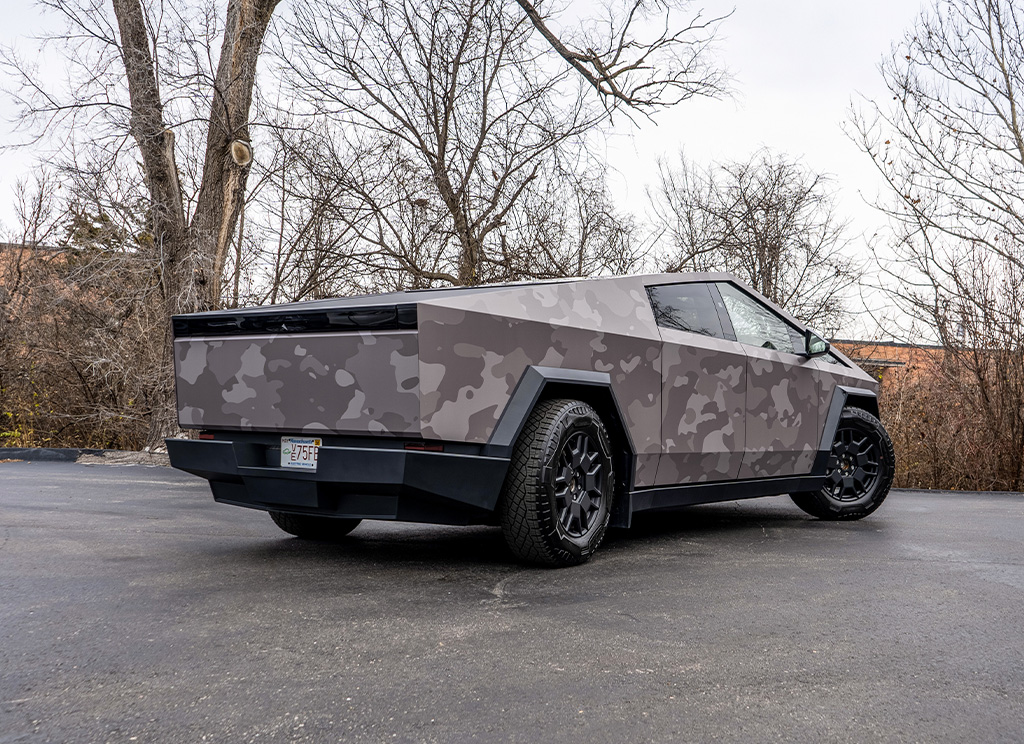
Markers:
point(557, 498)
point(854, 463)
point(859, 471)
point(579, 485)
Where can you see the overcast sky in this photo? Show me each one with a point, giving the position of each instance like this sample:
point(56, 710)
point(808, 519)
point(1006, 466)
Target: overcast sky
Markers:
point(796, 64)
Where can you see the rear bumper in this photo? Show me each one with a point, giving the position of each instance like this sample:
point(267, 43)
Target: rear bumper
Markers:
point(350, 481)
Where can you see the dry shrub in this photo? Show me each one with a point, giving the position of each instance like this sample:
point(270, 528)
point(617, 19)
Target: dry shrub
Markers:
point(952, 424)
point(82, 344)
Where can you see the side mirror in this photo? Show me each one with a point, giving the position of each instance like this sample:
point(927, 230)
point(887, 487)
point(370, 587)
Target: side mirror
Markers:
point(815, 345)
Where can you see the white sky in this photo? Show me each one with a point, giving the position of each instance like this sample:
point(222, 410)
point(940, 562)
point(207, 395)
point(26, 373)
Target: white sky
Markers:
point(796, 64)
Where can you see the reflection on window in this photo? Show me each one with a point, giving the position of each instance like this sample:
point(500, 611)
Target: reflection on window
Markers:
point(755, 323)
point(686, 307)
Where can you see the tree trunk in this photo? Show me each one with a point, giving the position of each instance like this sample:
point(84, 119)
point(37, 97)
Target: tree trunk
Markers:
point(156, 144)
point(192, 254)
point(223, 186)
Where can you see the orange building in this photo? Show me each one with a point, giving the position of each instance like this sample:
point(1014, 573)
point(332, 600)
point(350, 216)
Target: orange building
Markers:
point(876, 357)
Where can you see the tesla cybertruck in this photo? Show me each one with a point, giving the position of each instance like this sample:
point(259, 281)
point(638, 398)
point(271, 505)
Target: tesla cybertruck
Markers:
point(555, 409)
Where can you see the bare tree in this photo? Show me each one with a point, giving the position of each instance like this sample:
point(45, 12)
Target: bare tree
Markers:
point(362, 216)
point(151, 72)
point(950, 144)
point(472, 117)
point(630, 68)
point(148, 72)
point(569, 226)
point(769, 220)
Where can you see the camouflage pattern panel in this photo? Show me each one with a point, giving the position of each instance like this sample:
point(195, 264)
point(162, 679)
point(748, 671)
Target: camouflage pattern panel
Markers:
point(704, 401)
point(646, 472)
point(617, 305)
point(850, 375)
point(351, 383)
point(829, 375)
point(474, 349)
point(782, 414)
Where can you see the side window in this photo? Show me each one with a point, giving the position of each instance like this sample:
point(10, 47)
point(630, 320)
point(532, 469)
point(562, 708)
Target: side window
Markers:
point(686, 307)
point(755, 323)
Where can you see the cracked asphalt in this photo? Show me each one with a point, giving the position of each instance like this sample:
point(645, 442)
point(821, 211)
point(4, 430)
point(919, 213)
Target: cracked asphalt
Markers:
point(134, 608)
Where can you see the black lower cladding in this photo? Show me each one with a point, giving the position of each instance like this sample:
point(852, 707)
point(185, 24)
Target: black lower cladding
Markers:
point(357, 479)
point(690, 494)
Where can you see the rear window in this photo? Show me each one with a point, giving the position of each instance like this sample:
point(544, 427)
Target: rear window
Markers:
point(686, 307)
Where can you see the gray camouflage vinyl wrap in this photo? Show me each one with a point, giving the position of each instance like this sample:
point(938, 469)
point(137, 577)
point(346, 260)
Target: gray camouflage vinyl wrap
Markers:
point(782, 414)
point(730, 411)
point(474, 349)
point(829, 376)
point(703, 399)
point(352, 383)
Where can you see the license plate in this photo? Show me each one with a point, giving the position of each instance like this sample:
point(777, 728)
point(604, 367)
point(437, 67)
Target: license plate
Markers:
point(299, 453)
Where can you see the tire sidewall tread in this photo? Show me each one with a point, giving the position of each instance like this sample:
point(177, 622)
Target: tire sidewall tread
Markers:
point(819, 505)
point(528, 519)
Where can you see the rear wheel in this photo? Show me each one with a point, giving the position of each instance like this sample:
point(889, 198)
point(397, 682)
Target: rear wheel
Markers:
point(310, 527)
point(859, 473)
point(556, 501)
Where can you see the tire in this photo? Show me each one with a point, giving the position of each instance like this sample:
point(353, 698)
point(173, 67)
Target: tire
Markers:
point(556, 500)
point(309, 527)
point(859, 473)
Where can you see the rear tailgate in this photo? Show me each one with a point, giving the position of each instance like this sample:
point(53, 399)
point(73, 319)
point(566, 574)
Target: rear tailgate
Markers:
point(299, 371)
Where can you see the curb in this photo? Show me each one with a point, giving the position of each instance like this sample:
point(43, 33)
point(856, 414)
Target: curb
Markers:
point(949, 492)
point(87, 455)
point(48, 454)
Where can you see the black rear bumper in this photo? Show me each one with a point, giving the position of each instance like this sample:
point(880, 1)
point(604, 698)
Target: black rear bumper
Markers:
point(362, 482)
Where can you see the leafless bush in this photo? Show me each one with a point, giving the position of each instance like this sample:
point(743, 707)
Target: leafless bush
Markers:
point(76, 369)
point(939, 419)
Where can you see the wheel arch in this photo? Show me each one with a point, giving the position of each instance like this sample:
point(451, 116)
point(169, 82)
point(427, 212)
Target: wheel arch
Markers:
point(593, 388)
point(860, 398)
point(842, 396)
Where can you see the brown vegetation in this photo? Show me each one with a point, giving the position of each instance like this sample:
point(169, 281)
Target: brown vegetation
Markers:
point(951, 427)
point(78, 365)
point(949, 141)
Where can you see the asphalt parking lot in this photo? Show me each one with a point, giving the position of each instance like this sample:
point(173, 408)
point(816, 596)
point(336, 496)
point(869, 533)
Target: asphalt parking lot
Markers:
point(133, 608)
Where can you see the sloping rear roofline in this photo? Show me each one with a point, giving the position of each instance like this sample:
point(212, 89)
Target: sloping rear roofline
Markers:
point(400, 297)
point(404, 297)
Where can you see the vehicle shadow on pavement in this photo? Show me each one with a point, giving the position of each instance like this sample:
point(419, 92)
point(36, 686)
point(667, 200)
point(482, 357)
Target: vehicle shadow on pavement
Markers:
point(709, 518)
point(391, 543)
point(385, 543)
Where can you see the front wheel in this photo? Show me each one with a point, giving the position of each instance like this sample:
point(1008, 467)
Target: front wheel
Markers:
point(859, 472)
point(556, 501)
point(310, 527)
